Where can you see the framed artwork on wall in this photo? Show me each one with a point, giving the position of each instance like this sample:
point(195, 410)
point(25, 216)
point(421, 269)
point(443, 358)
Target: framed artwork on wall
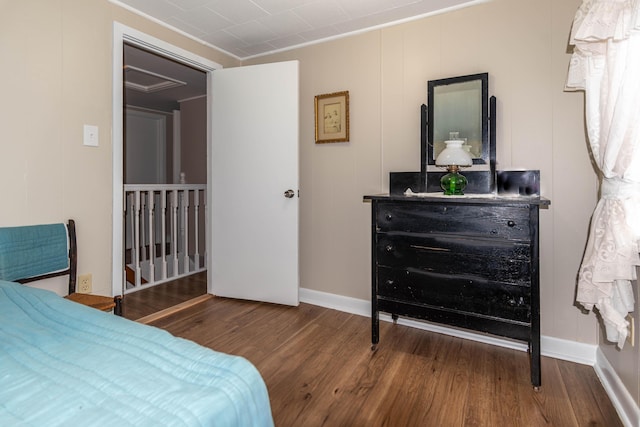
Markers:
point(332, 117)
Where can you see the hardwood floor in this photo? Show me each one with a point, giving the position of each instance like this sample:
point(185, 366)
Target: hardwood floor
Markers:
point(152, 300)
point(320, 371)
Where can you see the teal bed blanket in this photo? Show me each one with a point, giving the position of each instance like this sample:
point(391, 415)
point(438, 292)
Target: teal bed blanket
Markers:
point(64, 364)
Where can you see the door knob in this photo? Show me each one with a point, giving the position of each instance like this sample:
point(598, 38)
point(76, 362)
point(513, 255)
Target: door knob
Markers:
point(289, 194)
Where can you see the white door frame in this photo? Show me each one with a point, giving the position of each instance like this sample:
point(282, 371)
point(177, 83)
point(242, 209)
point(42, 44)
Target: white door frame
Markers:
point(122, 34)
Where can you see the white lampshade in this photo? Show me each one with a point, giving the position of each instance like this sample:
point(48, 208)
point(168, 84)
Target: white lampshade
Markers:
point(454, 155)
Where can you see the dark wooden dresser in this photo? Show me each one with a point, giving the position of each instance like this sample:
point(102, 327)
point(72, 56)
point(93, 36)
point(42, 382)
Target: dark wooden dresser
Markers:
point(469, 262)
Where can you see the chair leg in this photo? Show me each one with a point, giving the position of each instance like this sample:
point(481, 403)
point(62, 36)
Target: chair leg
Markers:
point(118, 308)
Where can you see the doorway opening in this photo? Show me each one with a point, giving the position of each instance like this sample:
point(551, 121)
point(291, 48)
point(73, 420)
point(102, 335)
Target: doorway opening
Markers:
point(160, 141)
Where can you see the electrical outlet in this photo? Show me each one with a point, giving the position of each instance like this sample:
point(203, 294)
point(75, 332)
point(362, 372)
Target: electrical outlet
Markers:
point(84, 284)
point(632, 330)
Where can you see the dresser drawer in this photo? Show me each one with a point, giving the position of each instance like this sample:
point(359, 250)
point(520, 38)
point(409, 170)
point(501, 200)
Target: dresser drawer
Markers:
point(493, 325)
point(506, 222)
point(462, 293)
point(491, 259)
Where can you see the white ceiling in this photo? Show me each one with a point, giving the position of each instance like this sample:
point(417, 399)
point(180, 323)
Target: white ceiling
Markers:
point(249, 28)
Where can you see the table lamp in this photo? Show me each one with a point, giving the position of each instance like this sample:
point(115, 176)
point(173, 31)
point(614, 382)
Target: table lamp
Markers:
point(453, 157)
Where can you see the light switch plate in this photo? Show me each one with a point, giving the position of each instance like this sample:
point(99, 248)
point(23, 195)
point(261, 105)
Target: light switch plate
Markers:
point(90, 136)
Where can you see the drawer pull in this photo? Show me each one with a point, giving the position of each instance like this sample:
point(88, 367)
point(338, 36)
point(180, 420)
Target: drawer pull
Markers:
point(388, 248)
point(388, 216)
point(429, 248)
point(511, 223)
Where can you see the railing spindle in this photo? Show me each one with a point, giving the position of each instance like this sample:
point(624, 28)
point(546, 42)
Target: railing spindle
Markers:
point(143, 237)
point(163, 233)
point(150, 209)
point(174, 231)
point(185, 231)
point(196, 229)
point(136, 235)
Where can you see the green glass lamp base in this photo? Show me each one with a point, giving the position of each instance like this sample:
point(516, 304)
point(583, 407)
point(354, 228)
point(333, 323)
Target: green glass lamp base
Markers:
point(453, 184)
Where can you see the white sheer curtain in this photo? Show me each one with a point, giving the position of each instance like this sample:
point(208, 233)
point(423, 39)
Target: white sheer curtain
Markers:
point(606, 65)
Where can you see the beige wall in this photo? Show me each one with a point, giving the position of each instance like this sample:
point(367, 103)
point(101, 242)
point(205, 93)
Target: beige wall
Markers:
point(57, 76)
point(523, 44)
point(386, 72)
point(193, 140)
point(56, 71)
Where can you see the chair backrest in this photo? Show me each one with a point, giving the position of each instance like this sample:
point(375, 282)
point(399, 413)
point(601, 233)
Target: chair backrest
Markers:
point(36, 252)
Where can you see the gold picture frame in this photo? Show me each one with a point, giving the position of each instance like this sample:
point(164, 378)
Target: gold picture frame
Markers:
point(332, 117)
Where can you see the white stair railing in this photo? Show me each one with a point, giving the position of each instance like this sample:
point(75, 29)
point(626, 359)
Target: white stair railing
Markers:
point(164, 233)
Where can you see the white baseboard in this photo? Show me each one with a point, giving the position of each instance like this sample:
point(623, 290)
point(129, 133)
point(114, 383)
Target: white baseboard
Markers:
point(627, 408)
point(557, 348)
point(572, 351)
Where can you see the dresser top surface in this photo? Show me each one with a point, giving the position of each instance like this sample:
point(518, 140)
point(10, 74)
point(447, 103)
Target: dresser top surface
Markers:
point(467, 198)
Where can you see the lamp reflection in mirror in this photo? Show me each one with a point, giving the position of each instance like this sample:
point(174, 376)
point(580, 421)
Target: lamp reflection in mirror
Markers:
point(453, 157)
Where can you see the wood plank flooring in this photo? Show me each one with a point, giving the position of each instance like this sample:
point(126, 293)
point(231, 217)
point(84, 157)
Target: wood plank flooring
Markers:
point(152, 300)
point(320, 371)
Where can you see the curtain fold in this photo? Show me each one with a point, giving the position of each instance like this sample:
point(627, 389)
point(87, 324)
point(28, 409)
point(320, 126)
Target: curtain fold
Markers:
point(606, 65)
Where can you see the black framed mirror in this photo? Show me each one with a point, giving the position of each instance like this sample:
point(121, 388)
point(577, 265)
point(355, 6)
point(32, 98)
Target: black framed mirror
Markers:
point(460, 108)
point(459, 105)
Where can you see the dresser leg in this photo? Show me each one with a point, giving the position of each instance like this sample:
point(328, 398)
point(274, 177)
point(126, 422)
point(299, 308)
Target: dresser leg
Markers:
point(534, 360)
point(394, 317)
point(375, 330)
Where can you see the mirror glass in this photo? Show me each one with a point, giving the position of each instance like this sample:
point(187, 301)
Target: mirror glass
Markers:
point(458, 109)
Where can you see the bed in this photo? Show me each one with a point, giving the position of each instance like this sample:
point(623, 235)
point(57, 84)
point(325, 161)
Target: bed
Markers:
point(64, 364)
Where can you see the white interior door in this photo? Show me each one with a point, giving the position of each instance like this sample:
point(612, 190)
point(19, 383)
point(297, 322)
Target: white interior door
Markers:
point(254, 161)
